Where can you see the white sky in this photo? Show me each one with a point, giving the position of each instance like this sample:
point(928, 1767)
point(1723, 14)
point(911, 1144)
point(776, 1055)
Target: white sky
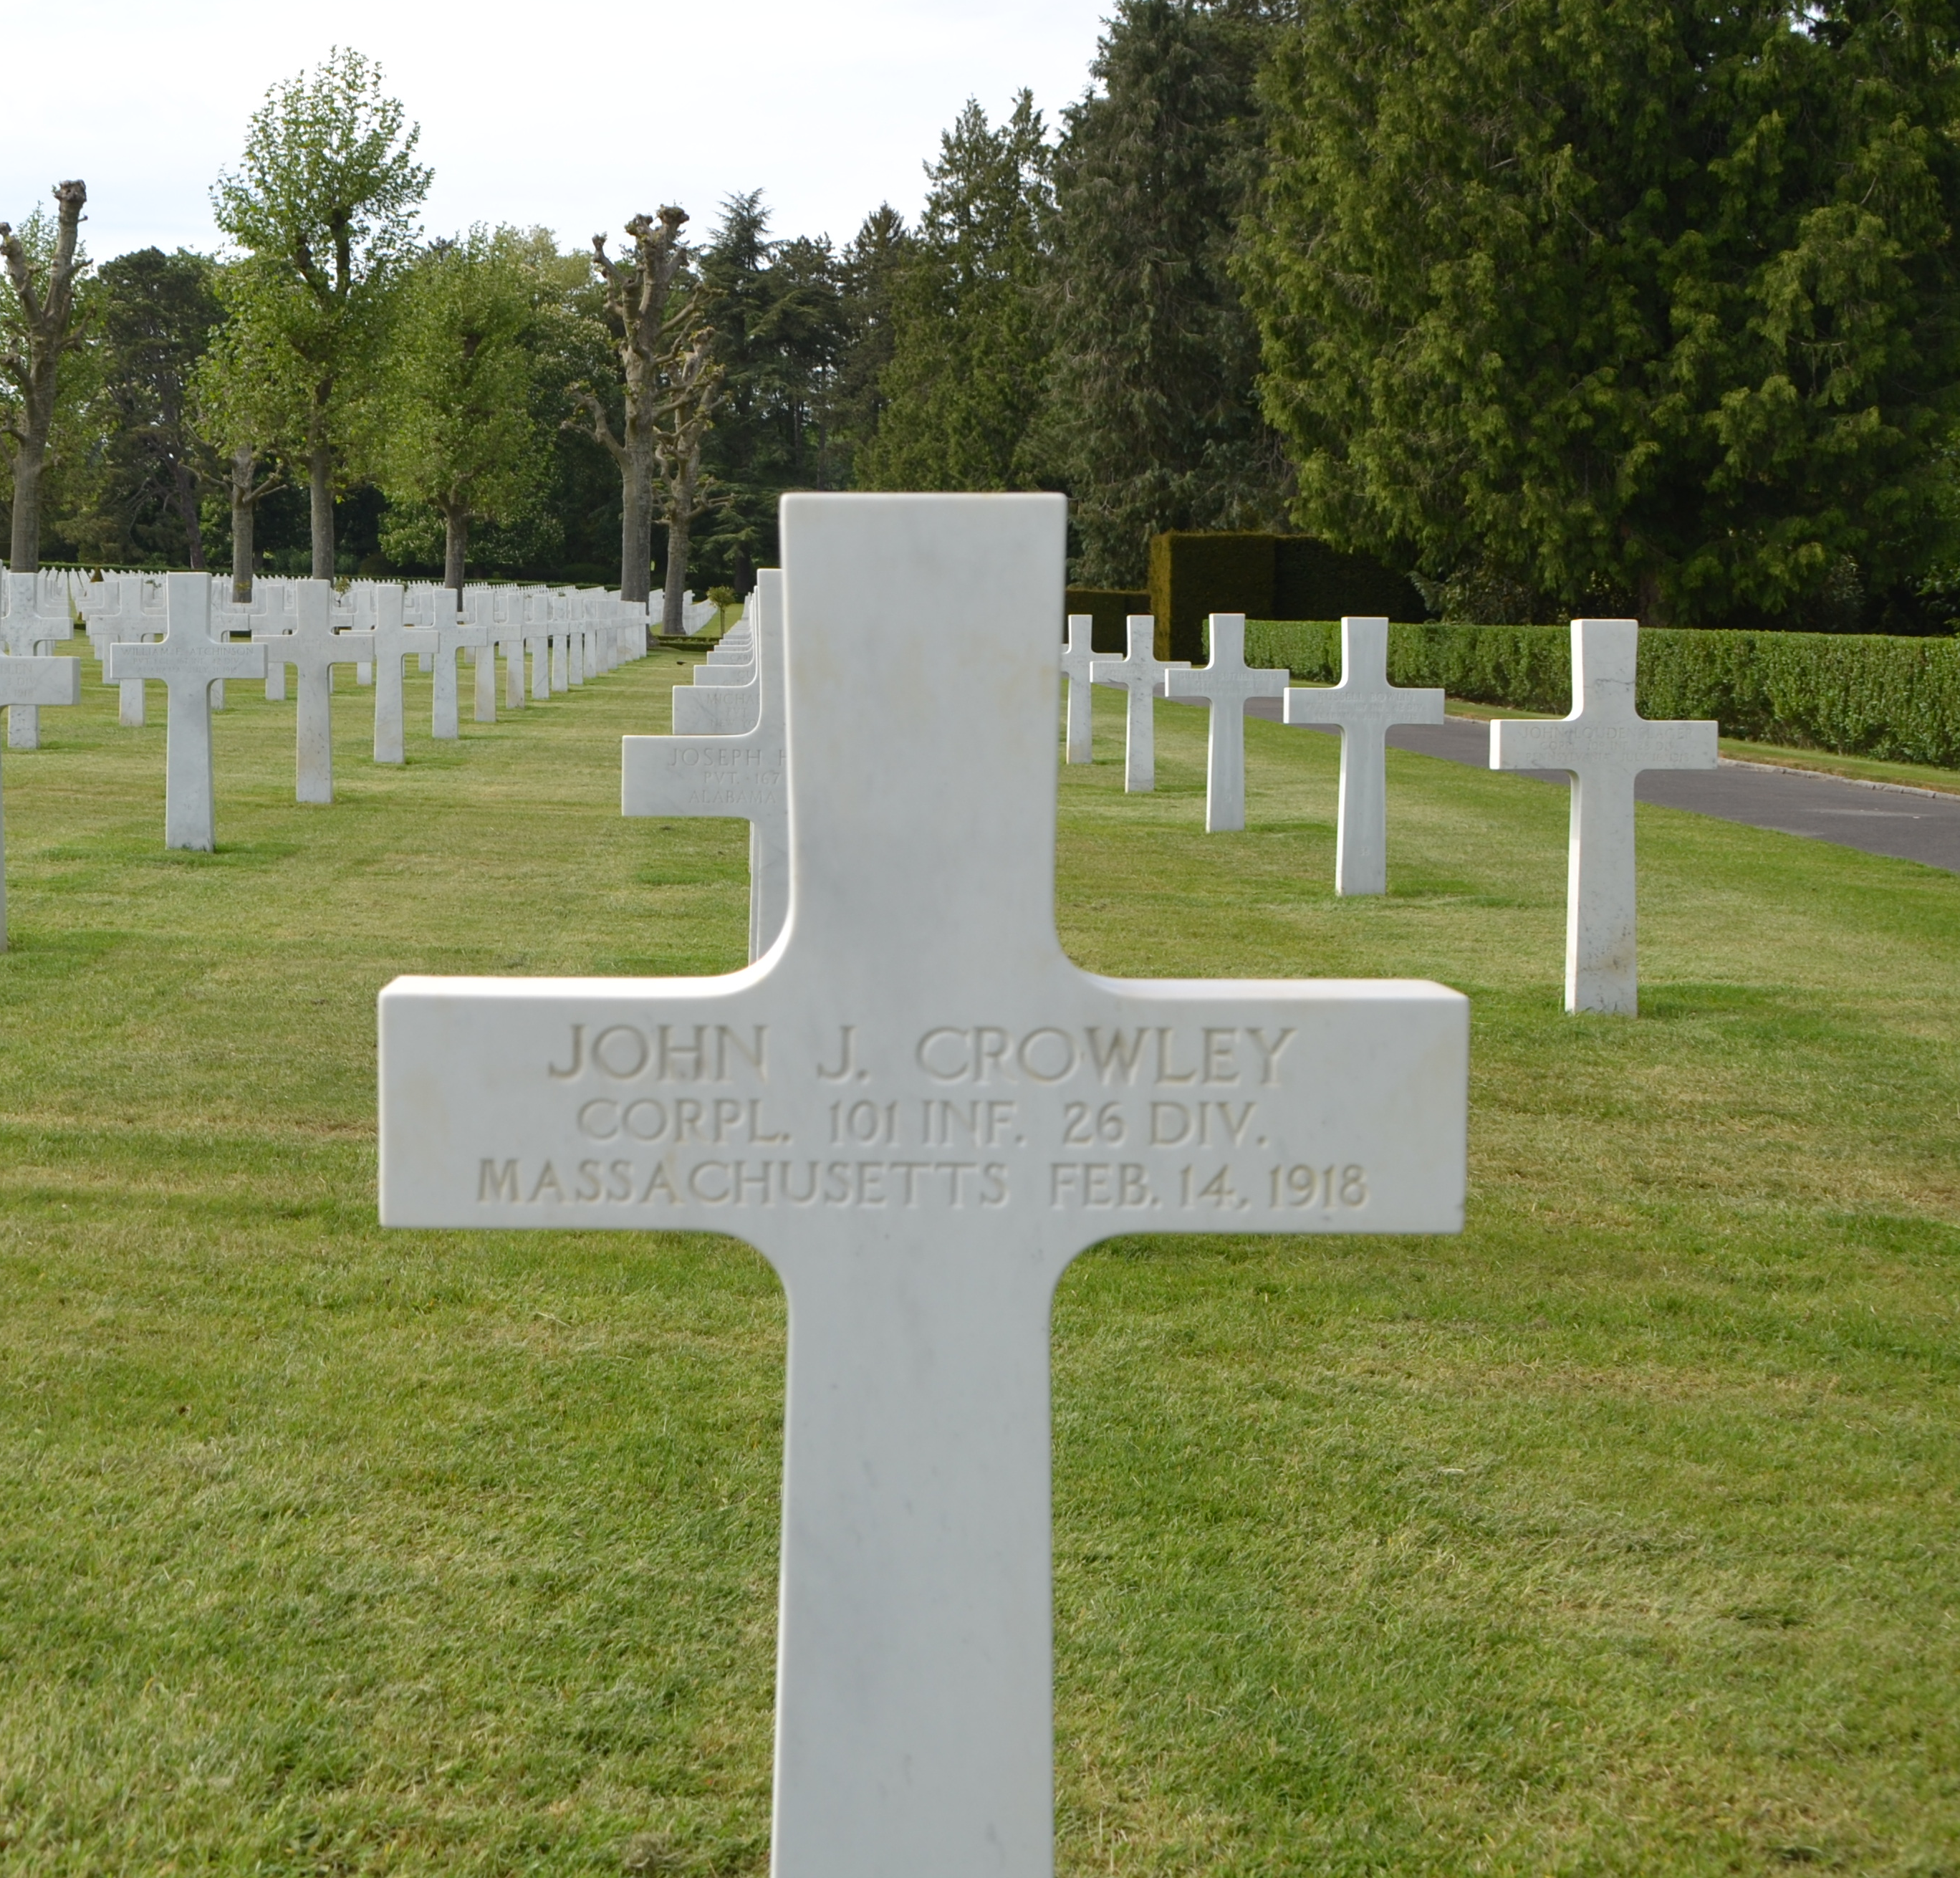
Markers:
point(570, 113)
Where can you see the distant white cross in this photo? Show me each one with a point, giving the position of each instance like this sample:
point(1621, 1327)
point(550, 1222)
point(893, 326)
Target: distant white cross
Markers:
point(312, 648)
point(28, 678)
point(1227, 684)
point(189, 661)
point(386, 644)
point(920, 1111)
point(1364, 705)
point(741, 775)
point(34, 618)
point(1603, 745)
point(1078, 744)
point(1139, 674)
point(112, 611)
point(454, 635)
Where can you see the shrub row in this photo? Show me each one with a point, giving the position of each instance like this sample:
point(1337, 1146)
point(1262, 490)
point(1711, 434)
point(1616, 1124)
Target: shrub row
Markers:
point(1898, 699)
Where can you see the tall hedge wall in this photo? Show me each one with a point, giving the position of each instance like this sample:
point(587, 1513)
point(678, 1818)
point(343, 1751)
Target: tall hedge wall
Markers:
point(1898, 699)
point(1109, 608)
point(1196, 573)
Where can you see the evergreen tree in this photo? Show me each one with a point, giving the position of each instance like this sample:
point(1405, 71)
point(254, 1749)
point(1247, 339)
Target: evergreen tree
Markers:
point(969, 336)
point(1645, 302)
point(868, 275)
point(1154, 418)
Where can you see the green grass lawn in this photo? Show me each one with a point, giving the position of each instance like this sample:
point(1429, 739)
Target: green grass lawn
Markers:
point(1618, 1536)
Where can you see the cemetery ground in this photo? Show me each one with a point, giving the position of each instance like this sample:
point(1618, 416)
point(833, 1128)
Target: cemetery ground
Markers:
point(1616, 1536)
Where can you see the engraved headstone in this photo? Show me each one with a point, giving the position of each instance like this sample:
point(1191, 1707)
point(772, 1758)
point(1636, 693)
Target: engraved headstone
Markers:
point(736, 776)
point(385, 644)
point(1226, 684)
point(920, 1110)
point(28, 679)
point(36, 616)
point(312, 648)
point(1603, 744)
point(1140, 674)
point(1078, 741)
point(1364, 705)
point(189, 661)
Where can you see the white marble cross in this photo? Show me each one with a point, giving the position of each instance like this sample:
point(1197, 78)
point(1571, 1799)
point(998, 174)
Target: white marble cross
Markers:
point(312, 648)
point(33, 617)
point(537, 642)
point(919, 1110)
point(114, 612)
point(1603, 745)
point(386, 644)
point(1364, 705)
point(453, 634)
point(28, 679)
point(737, 776)
point(1226, 684)
point(1078, 743)
point(189, 661)
point(1139, 674)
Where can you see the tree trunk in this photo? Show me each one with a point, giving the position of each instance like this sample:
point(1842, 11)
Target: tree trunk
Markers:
point(1646, 598)
point(636, 520)
point(26, 555)
point(680, 524)
point(320, 463)
point(244, 516)
point(455, 545)
point(187, 507)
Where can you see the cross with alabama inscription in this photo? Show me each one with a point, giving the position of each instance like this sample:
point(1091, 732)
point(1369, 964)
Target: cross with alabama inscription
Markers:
point(731, 776)
point(920, 1111)
point(1603, 745)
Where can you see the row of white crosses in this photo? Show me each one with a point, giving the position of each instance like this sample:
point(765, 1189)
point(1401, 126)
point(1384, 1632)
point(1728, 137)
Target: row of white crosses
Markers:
point(919, 1110)
point(1602, 745)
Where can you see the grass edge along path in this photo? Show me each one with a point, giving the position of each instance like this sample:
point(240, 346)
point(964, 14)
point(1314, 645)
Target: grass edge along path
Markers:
point(1615, 1535)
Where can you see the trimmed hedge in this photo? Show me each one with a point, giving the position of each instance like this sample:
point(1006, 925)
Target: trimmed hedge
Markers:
point(1109, 608)
point(1859, 694)
point(1195, 574)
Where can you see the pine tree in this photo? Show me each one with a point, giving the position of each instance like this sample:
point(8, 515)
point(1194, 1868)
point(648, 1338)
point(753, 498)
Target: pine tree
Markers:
point(969, 337)
point(1154, 418)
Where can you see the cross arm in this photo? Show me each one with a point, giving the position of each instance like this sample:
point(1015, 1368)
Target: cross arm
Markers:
point(40, 681)
point(1573, 745)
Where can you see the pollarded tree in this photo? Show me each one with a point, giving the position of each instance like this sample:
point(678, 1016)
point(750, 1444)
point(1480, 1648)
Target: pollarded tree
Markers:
point(37, 326)
point(970, 338)
point(324, 205)
point(694, 386)
point(1650, 304)
point(454, 430)
point(654, 313)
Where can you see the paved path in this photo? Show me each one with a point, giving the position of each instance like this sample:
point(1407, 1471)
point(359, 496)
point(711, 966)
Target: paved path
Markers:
point(1912, 824)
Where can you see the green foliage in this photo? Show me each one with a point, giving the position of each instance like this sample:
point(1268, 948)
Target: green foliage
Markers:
point(453, 430)
point(1109, 609)
point(969, 337)
point(1153, 419)
point(1895, 698)
point(1649, 304)
point(73, 479)
point(868, 272)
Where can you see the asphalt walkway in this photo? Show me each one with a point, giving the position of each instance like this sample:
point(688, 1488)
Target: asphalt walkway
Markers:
point(1879, 818)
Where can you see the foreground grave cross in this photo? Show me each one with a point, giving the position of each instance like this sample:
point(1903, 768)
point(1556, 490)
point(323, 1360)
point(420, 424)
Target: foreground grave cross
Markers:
point(1139, 674)
point(1602, 745)
point(312, 648)
point(1077, 654)
point(28, 680)
point(32, 618)
point(919, 1111)
point(189, 661)
point(1227, 684)
point(740, 776)
point(1363, 705)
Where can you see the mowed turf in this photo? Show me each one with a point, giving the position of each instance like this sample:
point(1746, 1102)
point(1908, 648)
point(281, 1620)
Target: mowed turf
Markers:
point(1618, 1535)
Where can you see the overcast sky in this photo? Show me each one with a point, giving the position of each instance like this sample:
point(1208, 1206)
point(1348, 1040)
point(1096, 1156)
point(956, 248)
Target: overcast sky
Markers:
point(570, 113)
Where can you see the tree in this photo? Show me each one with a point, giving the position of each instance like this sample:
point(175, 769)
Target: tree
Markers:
point(654, 313)
point(868, 272)
point(776, 316)
point(155, 313)
point(455, 429)
point(37, 325)
point(694, 387)
point(1617, 303)
point(324, 205)
point(1153, 420)
point(969, 340)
